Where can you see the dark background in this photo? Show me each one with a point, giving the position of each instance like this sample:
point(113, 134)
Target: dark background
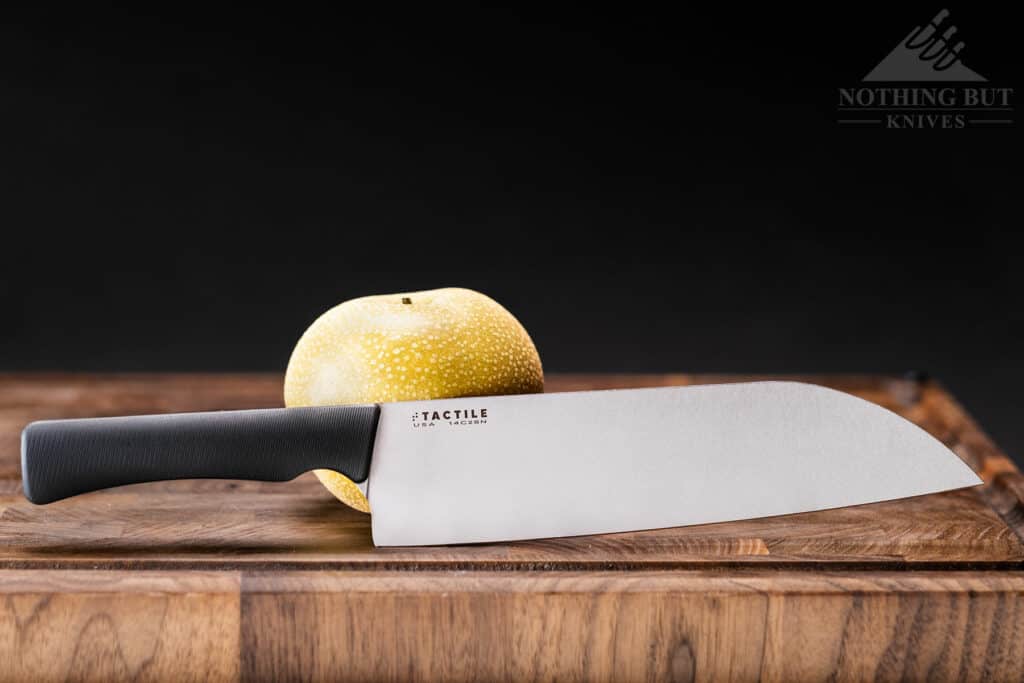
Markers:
point(646, 191)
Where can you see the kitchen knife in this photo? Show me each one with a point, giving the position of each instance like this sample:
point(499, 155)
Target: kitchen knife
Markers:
point(501, 468)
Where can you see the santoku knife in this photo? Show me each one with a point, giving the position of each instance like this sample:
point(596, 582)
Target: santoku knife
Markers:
point(501, 468)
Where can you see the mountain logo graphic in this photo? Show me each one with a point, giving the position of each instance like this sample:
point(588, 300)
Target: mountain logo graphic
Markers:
point(927, 54)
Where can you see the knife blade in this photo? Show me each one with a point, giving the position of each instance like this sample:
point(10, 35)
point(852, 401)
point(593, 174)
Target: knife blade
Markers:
point(505, 468)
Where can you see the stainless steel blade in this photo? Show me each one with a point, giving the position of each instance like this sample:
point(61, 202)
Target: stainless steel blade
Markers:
point(533, 466)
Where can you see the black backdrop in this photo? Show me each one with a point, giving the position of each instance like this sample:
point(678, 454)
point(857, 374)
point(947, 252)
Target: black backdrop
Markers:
point(645, 191)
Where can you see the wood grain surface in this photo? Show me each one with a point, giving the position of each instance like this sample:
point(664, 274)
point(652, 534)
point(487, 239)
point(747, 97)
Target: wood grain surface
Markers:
point(219, 580)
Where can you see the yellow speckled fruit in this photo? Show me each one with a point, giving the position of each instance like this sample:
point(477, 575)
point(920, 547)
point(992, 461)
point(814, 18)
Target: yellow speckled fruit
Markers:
point(441, 343)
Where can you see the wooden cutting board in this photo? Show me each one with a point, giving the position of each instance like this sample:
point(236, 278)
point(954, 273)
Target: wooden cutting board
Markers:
point(219, 580)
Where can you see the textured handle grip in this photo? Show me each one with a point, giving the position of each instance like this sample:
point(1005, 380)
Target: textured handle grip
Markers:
point(62, 458)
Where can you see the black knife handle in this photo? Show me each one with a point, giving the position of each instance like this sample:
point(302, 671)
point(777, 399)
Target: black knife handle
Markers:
point(62, 458)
